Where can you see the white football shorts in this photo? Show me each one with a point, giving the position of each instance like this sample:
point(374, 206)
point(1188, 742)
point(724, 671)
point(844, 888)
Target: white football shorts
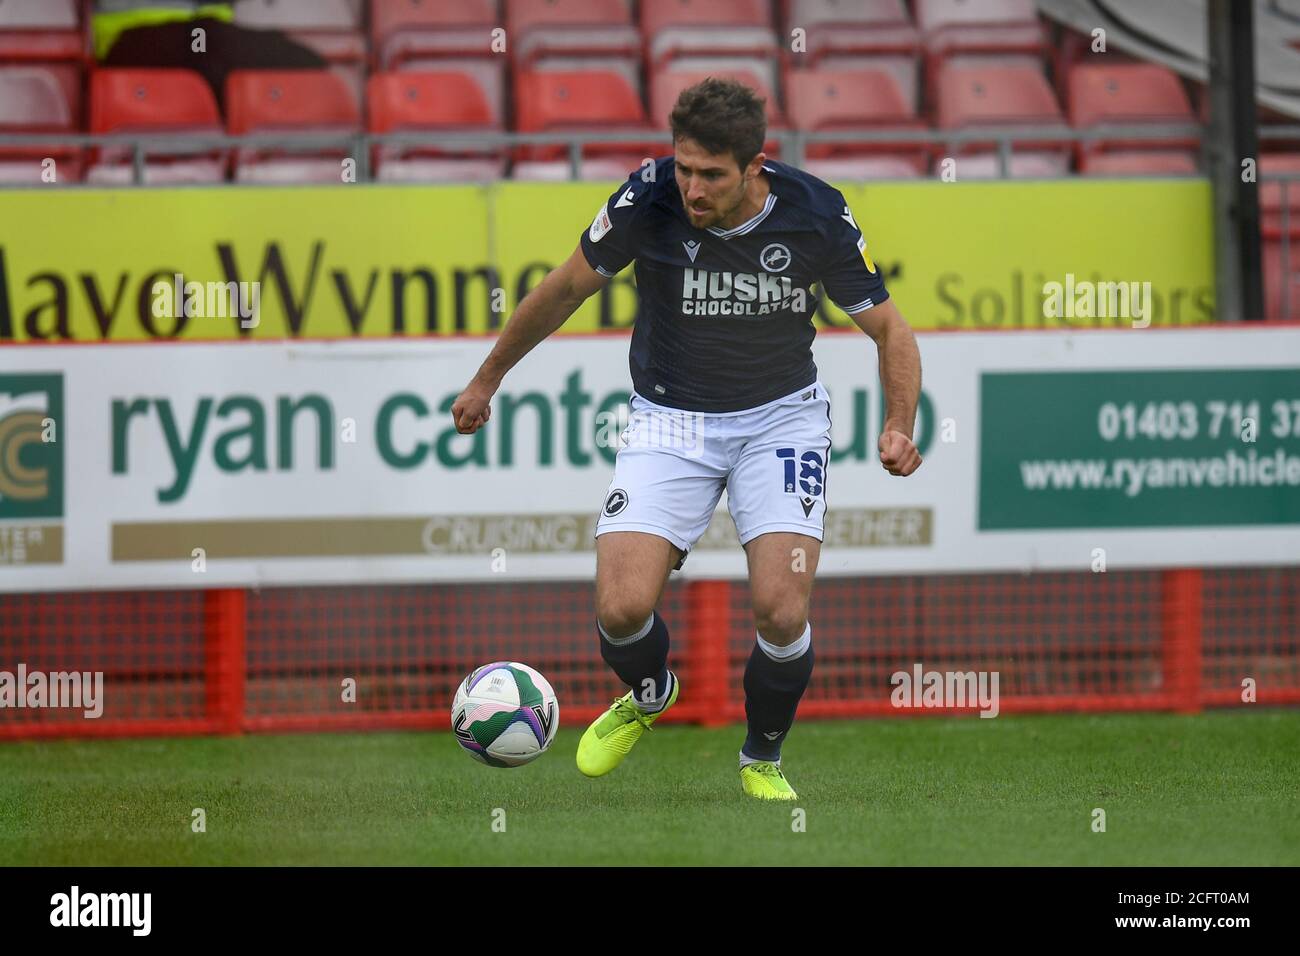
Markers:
point(673, 464)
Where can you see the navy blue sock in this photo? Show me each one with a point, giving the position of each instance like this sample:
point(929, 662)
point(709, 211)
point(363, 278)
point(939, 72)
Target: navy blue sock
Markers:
point(772, 692)
point(637, 660)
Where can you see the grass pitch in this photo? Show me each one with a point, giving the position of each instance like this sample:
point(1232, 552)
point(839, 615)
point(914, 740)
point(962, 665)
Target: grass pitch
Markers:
point(1214, 789)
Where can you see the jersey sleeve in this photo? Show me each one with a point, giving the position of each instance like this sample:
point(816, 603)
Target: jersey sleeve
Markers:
point(610, 242)
point(850, 277)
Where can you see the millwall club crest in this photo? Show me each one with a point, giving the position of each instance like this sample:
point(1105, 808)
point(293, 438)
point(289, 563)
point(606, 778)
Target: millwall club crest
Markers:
point(774, 257)
point(615, 503)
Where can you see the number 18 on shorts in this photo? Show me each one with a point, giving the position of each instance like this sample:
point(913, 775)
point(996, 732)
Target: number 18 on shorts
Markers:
point(673, 466)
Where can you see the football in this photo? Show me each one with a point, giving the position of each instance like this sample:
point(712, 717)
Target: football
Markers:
point(505, 714)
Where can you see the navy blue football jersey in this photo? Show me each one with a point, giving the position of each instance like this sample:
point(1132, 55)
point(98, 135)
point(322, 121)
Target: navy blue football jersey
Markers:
point(725, 321)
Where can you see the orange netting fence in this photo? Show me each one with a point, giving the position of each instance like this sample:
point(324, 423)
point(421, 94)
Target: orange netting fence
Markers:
point(230, 661)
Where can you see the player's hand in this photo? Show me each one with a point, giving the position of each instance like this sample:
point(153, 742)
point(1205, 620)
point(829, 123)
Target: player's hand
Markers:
point(472, 409)
point(897, 453)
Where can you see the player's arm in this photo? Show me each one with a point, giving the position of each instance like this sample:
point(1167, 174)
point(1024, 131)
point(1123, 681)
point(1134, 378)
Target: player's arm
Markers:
point(854, 283)
point(606, 247)
point(900, 376)
point(543, 310)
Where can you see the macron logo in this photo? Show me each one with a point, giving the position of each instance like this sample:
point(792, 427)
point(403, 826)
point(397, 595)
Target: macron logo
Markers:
point(692, 249)
point(102, 909)
point(625, 200)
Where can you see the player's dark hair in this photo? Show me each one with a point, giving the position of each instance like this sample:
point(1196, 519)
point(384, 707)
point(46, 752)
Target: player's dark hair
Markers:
point(723, 116)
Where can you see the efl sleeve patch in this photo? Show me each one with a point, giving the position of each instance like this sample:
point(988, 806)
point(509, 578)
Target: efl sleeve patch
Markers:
point(610, 242)
point(600, 225)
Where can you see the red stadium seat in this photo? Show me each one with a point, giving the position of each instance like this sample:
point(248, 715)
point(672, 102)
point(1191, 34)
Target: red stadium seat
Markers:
point(446, 101)
point(905, 70)
point(571, 28)
point(1128, 94)
point(864, 27)
point(449, 100)
point(41, 30)
point(330, 27)
point(628, 69)
point(35, 99)
point(971, 97)
point(488, 72)
point(151, 99)
point(290, 101)
point(558, 101)
point(718, 27)
point(995, 95)
point(155, 101)
point(550, 99)
point(1104, 94)
point(936, 67)
point(1073, 49)
point(1165, 162)
point(402, 30)
point(827, 100)
point(991, 28)
point(980, 26)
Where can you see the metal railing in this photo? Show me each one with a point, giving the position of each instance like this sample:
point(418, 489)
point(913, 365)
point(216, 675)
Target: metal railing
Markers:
point(793, 143)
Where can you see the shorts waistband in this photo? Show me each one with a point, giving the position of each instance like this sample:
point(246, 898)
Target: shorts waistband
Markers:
point(808, 393)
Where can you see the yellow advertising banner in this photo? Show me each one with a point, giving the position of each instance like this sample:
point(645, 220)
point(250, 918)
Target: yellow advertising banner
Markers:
point(363, 261)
